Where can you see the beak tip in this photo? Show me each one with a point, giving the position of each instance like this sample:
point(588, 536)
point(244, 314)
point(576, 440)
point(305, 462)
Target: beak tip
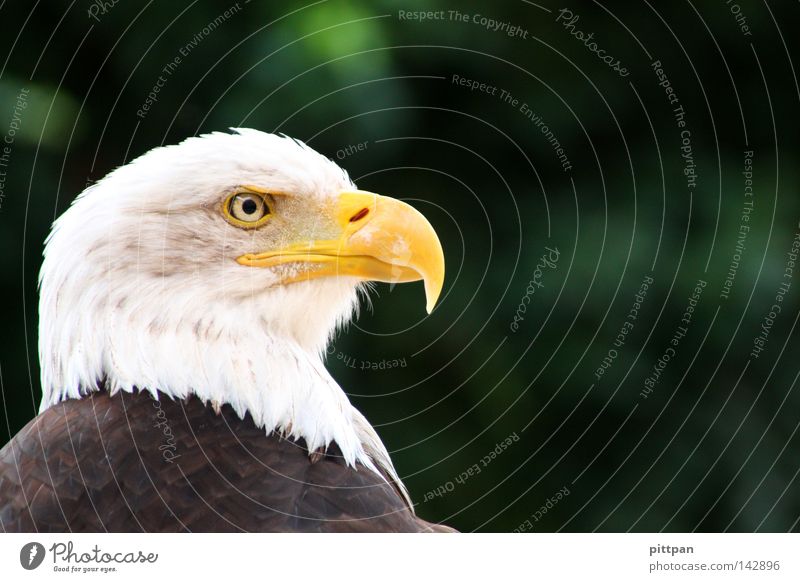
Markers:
point(432, 297)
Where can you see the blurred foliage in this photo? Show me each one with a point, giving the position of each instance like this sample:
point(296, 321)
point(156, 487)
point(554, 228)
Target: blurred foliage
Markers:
point(712, 447)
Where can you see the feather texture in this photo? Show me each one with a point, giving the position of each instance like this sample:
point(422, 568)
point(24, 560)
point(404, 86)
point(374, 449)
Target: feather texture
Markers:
point(129, 463)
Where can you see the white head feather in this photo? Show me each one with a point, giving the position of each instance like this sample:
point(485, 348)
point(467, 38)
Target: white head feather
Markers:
point(140, 290)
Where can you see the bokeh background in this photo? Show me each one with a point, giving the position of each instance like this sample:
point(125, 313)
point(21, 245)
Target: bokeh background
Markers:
point(712, 445)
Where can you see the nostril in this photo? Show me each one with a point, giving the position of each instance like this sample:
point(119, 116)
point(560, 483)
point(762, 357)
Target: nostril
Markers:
point(359, 215)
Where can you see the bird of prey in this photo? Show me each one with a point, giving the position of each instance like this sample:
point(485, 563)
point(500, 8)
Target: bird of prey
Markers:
point(186, 301)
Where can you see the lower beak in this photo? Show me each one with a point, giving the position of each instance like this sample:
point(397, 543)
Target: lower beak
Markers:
point(382, 239)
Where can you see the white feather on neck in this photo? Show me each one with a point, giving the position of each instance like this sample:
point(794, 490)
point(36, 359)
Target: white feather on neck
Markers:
point(189, 349)
point(124, 306)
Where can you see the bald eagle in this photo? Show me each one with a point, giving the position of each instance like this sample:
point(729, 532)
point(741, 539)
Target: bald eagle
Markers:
point(186, 301)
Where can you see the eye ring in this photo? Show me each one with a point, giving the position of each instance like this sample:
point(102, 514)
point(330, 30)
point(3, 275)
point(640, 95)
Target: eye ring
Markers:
point(247, 209)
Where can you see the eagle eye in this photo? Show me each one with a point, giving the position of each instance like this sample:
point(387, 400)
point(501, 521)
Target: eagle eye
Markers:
point(247, 209)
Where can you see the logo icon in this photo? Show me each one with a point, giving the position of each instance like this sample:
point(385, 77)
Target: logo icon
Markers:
point(31, 555)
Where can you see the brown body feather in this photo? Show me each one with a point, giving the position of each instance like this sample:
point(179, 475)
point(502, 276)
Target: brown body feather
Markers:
point(129, 463)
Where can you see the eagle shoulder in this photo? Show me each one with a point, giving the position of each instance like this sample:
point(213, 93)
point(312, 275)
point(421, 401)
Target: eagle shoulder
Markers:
point(129, 462)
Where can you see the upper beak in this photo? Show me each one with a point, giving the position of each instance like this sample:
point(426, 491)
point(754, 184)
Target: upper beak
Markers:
point(382, 239)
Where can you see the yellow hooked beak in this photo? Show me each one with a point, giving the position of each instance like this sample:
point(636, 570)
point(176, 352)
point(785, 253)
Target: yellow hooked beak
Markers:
point(382, 239)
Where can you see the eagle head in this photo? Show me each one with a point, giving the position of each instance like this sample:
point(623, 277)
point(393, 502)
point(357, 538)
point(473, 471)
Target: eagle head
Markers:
point(220, 267)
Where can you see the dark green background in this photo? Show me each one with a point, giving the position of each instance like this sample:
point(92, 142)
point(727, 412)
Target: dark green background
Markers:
point(714, 447)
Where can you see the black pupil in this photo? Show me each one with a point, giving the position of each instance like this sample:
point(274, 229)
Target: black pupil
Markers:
point(249, 206)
